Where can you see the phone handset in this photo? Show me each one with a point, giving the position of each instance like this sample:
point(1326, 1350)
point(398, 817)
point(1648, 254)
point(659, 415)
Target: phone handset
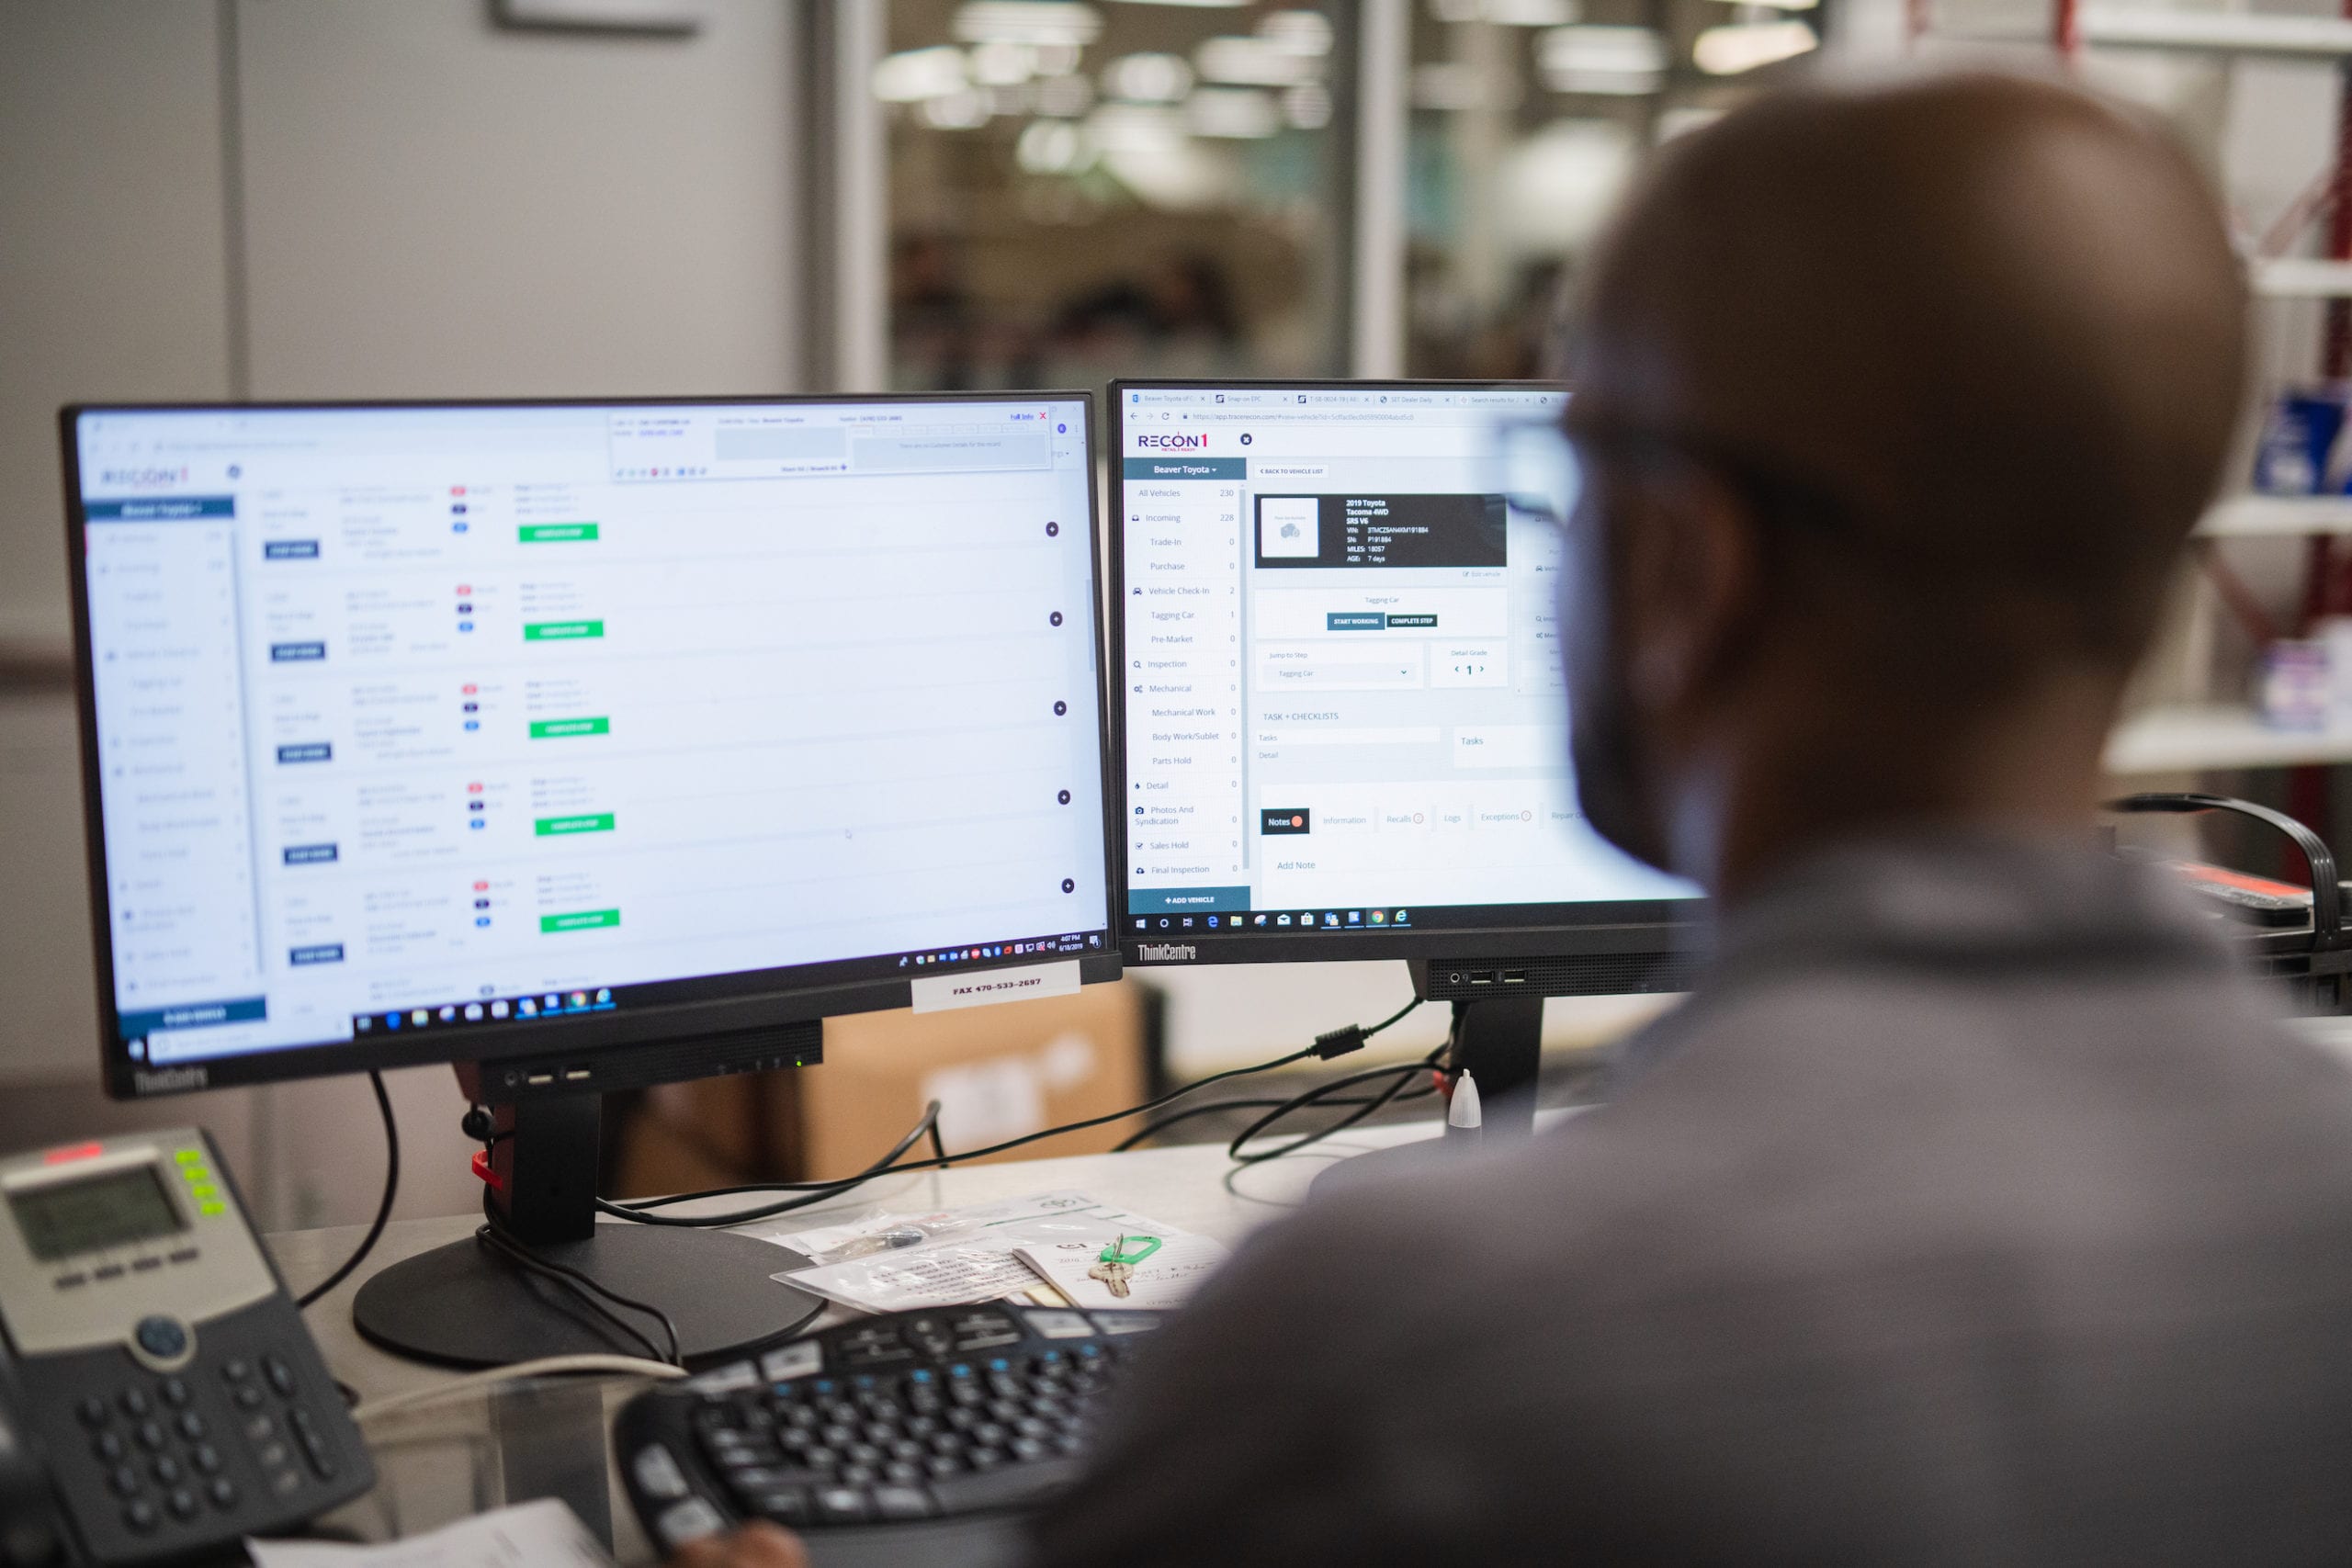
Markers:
point(31, 1533)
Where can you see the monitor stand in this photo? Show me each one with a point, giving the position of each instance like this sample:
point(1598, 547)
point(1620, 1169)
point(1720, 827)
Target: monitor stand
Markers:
point(464, 1304)
point(1500, 1042)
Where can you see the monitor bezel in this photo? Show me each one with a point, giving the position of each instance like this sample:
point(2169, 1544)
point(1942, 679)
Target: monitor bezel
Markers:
point(1602, 929)
point(125, 1078)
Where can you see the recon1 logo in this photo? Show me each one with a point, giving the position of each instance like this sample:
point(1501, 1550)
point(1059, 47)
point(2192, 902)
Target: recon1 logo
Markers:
point(1173, 440)
point(136, 476)
point(1168, 951)
point(172, 1081)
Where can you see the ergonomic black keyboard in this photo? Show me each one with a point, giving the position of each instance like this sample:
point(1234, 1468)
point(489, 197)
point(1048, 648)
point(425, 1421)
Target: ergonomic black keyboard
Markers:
point(879, 1421)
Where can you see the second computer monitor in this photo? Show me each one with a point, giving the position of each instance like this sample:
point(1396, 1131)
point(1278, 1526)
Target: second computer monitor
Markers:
point(1341, 703)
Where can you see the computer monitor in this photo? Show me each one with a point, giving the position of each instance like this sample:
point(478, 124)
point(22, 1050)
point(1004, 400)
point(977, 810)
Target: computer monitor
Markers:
point(1342, 708)
point(586, 745)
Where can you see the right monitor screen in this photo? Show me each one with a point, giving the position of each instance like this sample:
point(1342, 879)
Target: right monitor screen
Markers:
point(1343, 703)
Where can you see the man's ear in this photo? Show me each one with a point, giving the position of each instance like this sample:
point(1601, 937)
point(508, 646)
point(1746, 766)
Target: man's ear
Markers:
point(1691, 591)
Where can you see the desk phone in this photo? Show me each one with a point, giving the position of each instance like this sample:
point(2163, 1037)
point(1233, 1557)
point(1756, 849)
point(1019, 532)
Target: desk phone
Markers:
point(163, 1391)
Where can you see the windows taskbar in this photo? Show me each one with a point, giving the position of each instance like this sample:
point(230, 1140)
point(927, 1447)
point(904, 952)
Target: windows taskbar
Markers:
point(1330, 920)
point(522, 1007)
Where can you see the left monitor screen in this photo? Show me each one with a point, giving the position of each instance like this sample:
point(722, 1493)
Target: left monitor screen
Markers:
point(463, 718)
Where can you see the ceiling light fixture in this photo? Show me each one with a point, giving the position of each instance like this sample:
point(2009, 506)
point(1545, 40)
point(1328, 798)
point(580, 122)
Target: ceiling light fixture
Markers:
point(1748, 45)
point(914, 75)
point(1253, 63)
point(1039, 22)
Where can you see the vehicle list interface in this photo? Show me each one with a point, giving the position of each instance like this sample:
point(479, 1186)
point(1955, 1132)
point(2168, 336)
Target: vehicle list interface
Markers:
point(1343, 698)
point(412, 717)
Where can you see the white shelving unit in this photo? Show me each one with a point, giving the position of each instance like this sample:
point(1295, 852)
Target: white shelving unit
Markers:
point(2216, 32)
point(2277, 516)
point(2296, 277)
point(2191, 740)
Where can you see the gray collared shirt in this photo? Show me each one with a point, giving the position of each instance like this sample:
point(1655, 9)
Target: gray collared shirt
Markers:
point(1972, 1210)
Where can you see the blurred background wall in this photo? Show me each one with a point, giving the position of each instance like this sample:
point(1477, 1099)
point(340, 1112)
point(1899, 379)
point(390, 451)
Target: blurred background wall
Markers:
point(285, 198)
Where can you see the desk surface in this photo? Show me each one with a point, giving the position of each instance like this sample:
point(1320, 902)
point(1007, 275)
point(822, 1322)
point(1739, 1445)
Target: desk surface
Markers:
point(1194, 1187)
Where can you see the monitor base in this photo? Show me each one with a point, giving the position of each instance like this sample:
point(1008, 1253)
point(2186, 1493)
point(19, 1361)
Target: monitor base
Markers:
point(1498, 1041)
point(465, 1305)
point(1404, 1162)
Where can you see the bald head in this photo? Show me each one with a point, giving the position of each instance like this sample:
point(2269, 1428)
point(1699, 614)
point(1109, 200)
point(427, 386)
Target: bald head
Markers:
point(1896, 406)
point(1996, 321)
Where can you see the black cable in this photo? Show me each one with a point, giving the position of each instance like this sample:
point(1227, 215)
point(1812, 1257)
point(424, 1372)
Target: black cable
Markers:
point(1153, 1129)
point(383, 1209)
point(1404, 1076)
point(499, 1240)
point(1336, 1043)
point(928, 1124)
point(831, 1189)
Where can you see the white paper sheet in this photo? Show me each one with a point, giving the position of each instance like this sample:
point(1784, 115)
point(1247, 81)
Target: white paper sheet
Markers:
point(542, 1534)
point(972, 1257)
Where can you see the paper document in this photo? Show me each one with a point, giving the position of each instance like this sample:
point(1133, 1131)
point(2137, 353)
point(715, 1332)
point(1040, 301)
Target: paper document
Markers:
point(881, 1232)
point(966, 1254)
point(543, 1534)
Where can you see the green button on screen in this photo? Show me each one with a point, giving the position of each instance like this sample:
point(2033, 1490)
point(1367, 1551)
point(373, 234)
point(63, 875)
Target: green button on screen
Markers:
point(552, 827)
point(557, 532)
point(579, 921)
point(561, 631)
point(556, 729)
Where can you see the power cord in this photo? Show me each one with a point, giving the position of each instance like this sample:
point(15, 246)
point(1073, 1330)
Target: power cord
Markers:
point(383, 1209)
point(1332, 1044)
point(495, 1236)
point(1287, 1107)
point(548, 1366)
point(1404, 1076)
point(820, 1190)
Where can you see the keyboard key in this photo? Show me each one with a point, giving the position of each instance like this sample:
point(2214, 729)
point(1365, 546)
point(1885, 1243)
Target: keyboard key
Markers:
point(657, 1473)
point(786, 1506)
point(141, 1515)
point(223, 1492)
point(901, 1503)
point(689, 1520)
point(183, 1504)
point(280, 1375)
point(842, 1505)
point(1008, 1487)
point(92, 1412)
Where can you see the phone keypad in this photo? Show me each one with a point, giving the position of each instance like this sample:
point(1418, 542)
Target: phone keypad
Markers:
point(163, 1457)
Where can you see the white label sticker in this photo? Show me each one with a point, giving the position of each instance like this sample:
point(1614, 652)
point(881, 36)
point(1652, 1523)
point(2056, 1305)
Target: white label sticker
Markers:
point(937, 993)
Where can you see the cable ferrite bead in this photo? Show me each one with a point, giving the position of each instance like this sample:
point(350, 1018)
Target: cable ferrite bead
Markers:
point(1340, 1042)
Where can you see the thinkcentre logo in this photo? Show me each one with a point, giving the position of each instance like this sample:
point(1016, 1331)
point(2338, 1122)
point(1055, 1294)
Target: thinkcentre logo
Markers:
point(1172, 440)
point(1168, 951)
point(172, 1081)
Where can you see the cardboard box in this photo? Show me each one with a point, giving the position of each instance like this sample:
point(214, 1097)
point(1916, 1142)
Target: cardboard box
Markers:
point(998, 1072)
